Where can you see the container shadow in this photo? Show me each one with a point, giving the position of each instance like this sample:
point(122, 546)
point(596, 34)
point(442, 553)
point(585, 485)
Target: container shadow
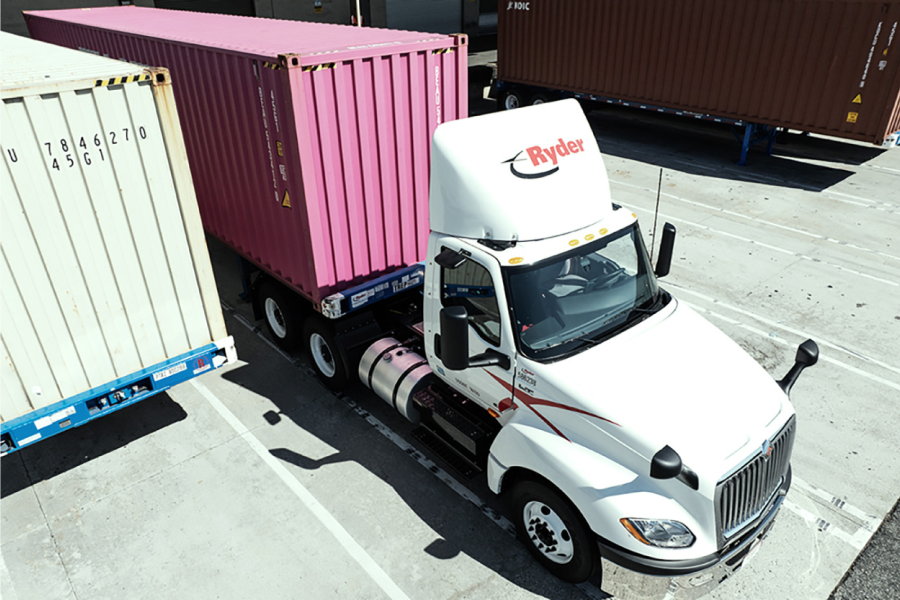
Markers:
point(709, 149)
point(70, 449)
point(321, 414)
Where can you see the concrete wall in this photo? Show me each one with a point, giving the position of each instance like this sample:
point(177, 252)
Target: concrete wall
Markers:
point(11, 10)
point(316, 11)
point(433, 16)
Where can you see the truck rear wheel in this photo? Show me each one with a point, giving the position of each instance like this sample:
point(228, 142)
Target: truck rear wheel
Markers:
point(324, 353)
point(553, 531)
point(282, 317)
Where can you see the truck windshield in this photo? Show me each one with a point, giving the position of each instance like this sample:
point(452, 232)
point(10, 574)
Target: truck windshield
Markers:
point(579, 298)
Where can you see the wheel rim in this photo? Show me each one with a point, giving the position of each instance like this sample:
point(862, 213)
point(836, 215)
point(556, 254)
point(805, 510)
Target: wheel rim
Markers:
point(275, 318)
point(322, 355)
point(548, 533)
point(511, 102)
point(537, 101)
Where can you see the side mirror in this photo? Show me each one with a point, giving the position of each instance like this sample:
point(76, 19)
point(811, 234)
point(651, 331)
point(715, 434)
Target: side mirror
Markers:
point(664, 262)
point(455, 338)
point(807, 356)
point(455, 343)
point(665, 464)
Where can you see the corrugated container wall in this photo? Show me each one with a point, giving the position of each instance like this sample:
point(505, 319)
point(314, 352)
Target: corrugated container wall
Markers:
point(309, 143)
point(830, 67)
point(105, 270)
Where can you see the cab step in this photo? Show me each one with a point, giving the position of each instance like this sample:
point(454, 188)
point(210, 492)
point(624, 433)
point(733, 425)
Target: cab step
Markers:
point(453, 458)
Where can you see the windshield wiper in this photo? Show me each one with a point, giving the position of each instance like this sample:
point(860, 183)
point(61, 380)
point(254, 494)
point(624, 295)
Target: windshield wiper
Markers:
point(652, 308)
point(638, 309)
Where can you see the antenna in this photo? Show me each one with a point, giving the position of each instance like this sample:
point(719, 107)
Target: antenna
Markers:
point(655, 216)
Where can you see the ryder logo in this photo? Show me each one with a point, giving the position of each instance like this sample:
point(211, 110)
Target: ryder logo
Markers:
point(543, 158)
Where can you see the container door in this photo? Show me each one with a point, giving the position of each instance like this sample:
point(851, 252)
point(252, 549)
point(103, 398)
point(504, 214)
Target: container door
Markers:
point(478, 286)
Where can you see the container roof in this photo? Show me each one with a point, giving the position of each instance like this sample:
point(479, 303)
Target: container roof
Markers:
point(39, 67)
point(527, 174)
point(247, 35)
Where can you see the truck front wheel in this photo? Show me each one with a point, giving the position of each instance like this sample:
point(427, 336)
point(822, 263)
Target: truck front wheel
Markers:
point(324, 353)
point(553, 531)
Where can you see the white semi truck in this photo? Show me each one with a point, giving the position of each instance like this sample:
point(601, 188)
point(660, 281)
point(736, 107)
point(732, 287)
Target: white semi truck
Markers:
point(541, 348)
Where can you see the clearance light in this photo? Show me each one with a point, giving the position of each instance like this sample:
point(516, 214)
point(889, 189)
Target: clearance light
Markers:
point(659, 533)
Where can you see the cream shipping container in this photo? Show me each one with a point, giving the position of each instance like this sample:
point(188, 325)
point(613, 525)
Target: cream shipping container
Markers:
point(108, 294)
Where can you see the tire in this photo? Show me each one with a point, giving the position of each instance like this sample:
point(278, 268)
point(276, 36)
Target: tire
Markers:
point(324, 353)
point(539, 99)
point(544, 519)
point(282, 315)
point(511, 99)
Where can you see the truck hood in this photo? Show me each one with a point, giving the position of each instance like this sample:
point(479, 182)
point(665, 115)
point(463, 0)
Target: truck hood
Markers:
point(674, 379)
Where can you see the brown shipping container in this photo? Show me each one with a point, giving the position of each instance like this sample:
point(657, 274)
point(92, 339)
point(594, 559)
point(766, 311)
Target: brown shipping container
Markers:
point(830, 67)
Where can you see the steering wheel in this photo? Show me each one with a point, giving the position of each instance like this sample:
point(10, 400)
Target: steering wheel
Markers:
point(577, 280)
point(606, 282)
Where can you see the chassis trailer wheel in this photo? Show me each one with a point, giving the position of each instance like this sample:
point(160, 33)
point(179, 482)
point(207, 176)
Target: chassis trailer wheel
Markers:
point(281, 314)
point(324, 353)
point(511, 99)
point(553, 532)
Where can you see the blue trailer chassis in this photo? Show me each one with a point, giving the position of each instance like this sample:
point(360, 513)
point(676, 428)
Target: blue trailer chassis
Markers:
point(370, 292)
point(117, 394)
point(753, 133)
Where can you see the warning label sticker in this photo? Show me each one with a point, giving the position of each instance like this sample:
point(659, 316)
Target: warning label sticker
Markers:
point(286, 199)
point(857, 99)
point(852, 116)
point(361, 298)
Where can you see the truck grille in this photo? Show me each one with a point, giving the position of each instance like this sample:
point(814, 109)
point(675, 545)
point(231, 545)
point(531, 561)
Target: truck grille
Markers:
point(743, 496)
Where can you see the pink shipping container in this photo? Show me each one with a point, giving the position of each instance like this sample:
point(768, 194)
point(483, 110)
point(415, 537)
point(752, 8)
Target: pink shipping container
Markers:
point(309, 144)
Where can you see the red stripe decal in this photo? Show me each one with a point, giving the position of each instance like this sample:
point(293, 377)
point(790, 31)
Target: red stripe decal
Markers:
point(530, 401)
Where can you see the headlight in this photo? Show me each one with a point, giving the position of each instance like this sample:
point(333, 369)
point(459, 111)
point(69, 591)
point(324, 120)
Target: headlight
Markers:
point(660, 533)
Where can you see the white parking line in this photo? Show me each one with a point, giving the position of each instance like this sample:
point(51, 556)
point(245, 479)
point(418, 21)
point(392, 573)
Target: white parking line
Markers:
point(760, 221)
point(340, 534)
point(776, 325)
point(879, 167)
point(838, 504)
point(784, 342)
point(863, 199)
point(857, 540)
point(771, 247)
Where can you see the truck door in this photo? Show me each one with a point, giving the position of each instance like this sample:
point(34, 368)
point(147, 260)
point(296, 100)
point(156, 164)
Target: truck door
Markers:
point(478, 286)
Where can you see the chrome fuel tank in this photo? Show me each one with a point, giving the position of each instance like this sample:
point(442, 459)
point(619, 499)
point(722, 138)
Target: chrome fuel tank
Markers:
point(395, 373)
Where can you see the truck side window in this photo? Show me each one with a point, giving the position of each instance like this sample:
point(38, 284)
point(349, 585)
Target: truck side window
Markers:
point(471, 286)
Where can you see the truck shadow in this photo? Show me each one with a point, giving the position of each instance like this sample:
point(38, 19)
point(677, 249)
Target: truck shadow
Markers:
point(329, 418)
point(70, 449)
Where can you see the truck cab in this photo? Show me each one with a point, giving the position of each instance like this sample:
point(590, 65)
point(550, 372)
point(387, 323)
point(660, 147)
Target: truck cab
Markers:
point(618, 421)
